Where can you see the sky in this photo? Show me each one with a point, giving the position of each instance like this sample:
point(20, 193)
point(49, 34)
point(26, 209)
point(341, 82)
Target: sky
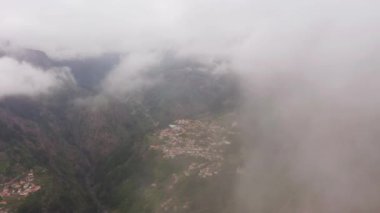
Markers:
point(252, 35)
point(308, 68)
point(79, 28)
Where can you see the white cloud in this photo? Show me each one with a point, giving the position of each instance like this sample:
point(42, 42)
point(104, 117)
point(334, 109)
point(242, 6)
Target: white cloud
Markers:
point(23, 79)
point(127, 76)
point(306, 55)
point(210, 27)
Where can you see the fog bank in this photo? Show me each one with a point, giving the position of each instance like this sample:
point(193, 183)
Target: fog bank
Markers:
point(310, 113)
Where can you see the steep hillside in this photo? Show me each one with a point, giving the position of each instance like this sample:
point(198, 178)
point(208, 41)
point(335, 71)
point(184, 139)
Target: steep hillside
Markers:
point(189, 166)
point(33, 141)
point(113, 156)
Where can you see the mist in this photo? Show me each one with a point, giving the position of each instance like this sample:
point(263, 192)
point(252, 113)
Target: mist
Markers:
point(309, 81)
point(20, 78)
point(311, 147)
point(310, 120)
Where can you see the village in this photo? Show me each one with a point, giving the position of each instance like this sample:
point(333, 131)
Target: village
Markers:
point(18, 187)
point(203, 141)
point(200, 145)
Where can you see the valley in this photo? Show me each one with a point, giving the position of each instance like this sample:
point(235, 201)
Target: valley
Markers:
point(169, 148)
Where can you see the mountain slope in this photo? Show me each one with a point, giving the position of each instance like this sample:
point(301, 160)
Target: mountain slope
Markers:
point(91, 157)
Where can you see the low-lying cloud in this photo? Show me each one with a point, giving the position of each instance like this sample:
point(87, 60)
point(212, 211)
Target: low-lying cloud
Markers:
point(128, 75)
point(309, 69)
point(20, 78)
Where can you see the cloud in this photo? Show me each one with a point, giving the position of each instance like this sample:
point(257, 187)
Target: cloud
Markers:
point(308, 70)
point(253, 35)
point(80, 28)
point(83, 28)
point(23, 79)
point(128, 76)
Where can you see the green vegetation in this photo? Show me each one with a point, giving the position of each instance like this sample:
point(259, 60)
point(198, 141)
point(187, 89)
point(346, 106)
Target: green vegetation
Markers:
point(90, 159)
point(4, 165)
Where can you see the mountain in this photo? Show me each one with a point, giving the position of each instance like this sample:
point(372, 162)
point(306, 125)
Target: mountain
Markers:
point(88, 72)
point(171, 147)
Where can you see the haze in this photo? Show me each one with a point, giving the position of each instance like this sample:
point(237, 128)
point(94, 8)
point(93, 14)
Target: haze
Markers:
point(308, 72)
